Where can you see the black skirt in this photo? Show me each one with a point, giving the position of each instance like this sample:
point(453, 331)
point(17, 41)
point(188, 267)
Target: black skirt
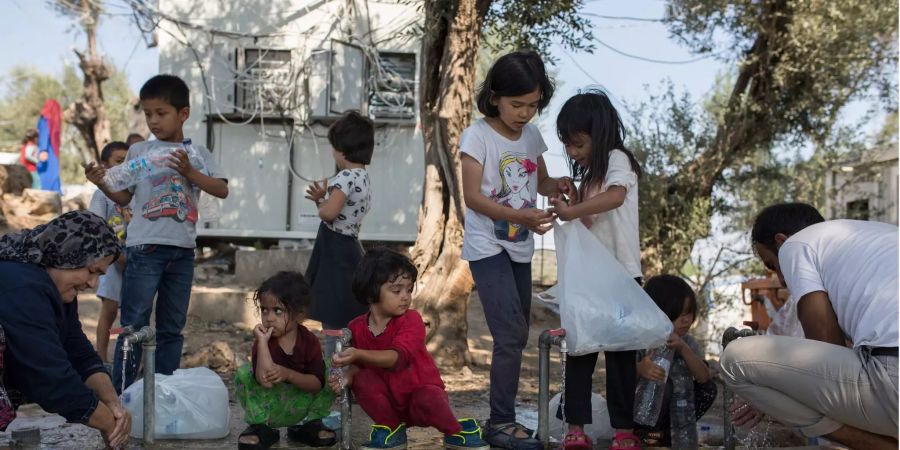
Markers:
point(330, 272)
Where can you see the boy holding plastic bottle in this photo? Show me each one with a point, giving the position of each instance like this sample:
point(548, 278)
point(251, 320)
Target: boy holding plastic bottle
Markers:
point(161, 236)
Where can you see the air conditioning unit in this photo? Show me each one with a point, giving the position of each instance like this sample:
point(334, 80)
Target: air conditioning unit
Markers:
point(266, 82)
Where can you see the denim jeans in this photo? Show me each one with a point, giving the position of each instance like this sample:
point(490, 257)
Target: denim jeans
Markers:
point(166, 272)
point(504, 287)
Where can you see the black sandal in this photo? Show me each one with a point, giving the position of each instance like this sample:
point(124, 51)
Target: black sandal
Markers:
point(267, 437)
point(308, 434)
point(504, 436)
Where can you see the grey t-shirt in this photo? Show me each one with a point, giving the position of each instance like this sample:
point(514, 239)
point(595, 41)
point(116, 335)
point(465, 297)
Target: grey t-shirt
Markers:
point(116, 216)
point(165, 204)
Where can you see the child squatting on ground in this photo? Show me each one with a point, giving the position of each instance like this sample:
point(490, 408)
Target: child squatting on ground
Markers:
point(109, 289)
point(162, 233)
point(594, 137)
point(676, 298)
point(502, 172)
point(393, 377)
point(284, 386)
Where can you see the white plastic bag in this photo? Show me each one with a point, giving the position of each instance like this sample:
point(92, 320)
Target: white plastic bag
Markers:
point(190, 404)
point(601, 307)
point(599, 428)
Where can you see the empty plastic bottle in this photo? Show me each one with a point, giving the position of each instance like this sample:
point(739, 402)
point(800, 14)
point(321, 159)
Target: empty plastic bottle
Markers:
point(154, 162)
point(681, 410)
point(649, 394)
point(207, 205)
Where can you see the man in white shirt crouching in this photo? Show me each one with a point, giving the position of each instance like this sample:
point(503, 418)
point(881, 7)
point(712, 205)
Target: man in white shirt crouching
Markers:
point(844, 275)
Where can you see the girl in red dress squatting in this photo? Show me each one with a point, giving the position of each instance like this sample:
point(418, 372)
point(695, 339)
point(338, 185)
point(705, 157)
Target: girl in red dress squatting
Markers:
point(393, 377)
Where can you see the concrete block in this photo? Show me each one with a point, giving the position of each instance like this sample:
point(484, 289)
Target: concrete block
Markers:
point(253, 267)
point(232, 305)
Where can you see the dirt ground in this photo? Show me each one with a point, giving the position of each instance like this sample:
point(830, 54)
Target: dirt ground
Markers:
point(467, 389)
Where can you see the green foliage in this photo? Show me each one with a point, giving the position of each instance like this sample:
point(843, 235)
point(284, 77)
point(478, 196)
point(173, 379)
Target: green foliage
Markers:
point(537, 24)
point(26, 91)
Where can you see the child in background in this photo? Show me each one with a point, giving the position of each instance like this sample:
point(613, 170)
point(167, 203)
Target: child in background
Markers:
point(285, 384)
point(675, 298)
point(343, 201)
point(134, 138)
point(162, 233)
point(594, 136)
point(393, 377)
point(502, 173)
point(109, 288)
point(30, 156)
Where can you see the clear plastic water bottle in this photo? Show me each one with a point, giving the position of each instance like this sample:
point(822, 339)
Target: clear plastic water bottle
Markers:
point(681, 410)
point(207, 205)
point(649, 394)
point(132, 171)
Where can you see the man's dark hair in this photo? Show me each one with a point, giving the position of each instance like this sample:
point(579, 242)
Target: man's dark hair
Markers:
point(784, 218)
point(670, 293)
point(380, 266)
point(512, 75)
point(168, 88)
point(291, 290)
point(113, 146)
point(354, 136)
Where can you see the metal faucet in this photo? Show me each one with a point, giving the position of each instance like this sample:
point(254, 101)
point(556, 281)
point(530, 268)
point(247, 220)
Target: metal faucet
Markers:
point(146, 336)
point(344, 336)
point(547, 339)
point(730, 335)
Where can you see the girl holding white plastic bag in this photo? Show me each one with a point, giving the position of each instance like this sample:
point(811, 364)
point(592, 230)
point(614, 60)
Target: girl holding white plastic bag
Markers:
point(593, 135)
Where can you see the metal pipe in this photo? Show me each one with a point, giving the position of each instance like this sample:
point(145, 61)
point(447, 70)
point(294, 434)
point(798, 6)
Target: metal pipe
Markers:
point(730, 441)
point(344, 336)
point(147, 337)
point(545, 341)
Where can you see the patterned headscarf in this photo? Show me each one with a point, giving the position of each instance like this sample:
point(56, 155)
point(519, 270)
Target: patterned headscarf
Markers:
point(70, 241)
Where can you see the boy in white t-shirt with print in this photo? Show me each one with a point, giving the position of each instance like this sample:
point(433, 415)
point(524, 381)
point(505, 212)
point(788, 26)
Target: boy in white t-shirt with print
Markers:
point(162, 233)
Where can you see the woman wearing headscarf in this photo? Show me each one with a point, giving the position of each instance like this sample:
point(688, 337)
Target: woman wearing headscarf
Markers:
point(47, 359)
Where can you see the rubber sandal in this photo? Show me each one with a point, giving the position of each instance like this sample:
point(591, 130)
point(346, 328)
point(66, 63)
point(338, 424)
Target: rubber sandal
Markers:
point(308, 434)
point(267, 437)
point(503, 436)
point(577, 440)
point(623, 436)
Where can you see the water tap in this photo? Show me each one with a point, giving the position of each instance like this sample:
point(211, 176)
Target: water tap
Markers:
point(144, 335)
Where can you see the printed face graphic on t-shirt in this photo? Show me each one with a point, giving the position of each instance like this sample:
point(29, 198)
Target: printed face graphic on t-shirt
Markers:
point(515, 173)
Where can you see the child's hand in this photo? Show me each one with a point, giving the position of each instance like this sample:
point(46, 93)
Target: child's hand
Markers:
point(316, 191)
point(275, 374)
point(334, 380)
point(345, 358)
point(647, 369)
point(675, 343)
point(534, 219)
point(179, 161)
point(94, 173)
point(262, 333)
point(43, 156)
point(561, 208)
point(566, 186)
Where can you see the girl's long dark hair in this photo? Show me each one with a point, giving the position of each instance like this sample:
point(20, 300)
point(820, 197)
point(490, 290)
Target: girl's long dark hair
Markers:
point(593, 114)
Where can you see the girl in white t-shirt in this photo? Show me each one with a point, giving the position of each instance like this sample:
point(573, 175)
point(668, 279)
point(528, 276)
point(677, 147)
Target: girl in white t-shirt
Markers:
point(503, 171)
point(593, 134)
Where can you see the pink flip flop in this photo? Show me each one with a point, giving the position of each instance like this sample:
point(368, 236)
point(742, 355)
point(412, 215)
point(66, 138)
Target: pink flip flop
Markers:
point(577, 440)
point(621, 436)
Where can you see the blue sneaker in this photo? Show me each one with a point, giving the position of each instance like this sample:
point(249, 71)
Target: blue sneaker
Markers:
point(382, 437)
point(467, 439)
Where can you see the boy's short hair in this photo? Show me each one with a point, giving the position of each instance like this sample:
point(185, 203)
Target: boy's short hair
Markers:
point(168, 88)
point(380, 266)
point(670, 292)
point(134, 138)
point(784, 218)
point(110, 148)
point(354, 136)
